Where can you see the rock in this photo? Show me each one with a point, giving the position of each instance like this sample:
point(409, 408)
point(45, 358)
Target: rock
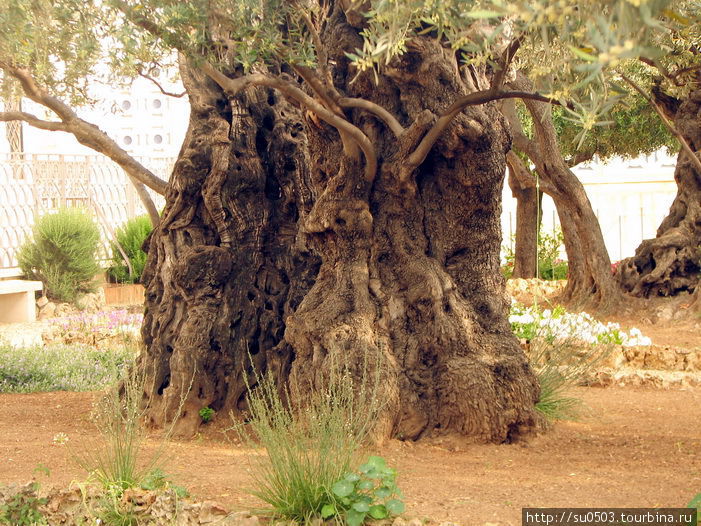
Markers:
point(42, 301)
point(399, 522)
point(665, 314)
point(92, 302)
point(47, 311)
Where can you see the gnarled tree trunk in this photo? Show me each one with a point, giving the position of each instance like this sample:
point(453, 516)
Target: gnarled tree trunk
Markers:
point(308, 269)
point(670, 263)
point(410, 268)
point(224, 267)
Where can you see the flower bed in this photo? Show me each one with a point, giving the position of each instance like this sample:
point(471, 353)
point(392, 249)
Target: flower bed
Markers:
point(117, 326)
point(557, 325)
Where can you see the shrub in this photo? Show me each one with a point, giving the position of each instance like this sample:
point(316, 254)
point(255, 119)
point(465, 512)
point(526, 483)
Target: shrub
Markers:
point(130, 237)
point(62, 254)
point(309, 448)
point(59, 368)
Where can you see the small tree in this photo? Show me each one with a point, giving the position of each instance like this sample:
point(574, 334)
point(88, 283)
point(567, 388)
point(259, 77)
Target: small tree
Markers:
point(62, 254)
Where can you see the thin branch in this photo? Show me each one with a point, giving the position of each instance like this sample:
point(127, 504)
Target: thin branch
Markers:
point(158, 85)
point(670, 126)
point(234, 86)
point(363, 104)
point(321, 54)
point(310, 77)
point(504, 63)
point(32, 120)
point(671, 76)
point(479, 97)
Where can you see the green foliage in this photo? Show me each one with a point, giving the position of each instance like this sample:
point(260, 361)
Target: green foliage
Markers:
point(22, 508)
point(62, 254)
point(60, 367)
point(206, 414)
point(369, 493)
point(309, 448)
point(130, 237)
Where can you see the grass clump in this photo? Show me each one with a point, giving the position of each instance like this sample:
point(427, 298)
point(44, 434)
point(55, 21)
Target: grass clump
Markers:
point(130, 237)
point(120, 461)
point(60, 367)
point(62, 254)
point(310, 446)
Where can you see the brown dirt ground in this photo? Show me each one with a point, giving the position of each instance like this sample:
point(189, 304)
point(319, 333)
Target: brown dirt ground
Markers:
point(638, 447)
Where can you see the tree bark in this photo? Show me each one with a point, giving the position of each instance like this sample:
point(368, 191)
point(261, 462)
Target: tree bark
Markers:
point(225, 267)
point(528, 199)
point(307, 258)
point(410, 268)
point(590, 283)
point(670, 263)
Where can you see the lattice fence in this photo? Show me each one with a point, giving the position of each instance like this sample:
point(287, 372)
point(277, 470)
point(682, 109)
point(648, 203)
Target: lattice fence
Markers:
point(33, 185)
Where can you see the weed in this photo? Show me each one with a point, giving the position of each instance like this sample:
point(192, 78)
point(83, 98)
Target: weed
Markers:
point(206, 414)
point(22, 508)
point(371, 492)
point(311, 447)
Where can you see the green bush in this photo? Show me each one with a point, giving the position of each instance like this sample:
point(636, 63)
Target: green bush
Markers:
point(130, 236)
point(62, 254)
point(59, 367)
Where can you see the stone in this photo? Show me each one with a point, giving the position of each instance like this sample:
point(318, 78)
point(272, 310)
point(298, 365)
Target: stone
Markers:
point(47, 311)
point(665, 314)
point(42, 301)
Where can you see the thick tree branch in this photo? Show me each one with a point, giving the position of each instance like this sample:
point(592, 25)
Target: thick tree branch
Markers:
point(363, 104)
point(233, 86)
point(479, 97)
point(670, 126)
point(33, 120)
point(86, 133)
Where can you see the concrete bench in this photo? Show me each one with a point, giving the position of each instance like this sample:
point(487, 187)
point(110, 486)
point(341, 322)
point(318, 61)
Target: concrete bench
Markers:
point(17, 302)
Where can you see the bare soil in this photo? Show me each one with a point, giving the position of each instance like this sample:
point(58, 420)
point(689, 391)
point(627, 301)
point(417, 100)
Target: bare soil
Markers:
point(637, 447)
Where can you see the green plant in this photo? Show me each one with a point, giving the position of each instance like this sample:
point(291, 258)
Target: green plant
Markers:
point(371, 492)
point(22, 508)
point(60, 367)
point(312, 446)
point(156, 479)
point(130, 237)
point(206, 414)
point(62, 254)
point(550, 266)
